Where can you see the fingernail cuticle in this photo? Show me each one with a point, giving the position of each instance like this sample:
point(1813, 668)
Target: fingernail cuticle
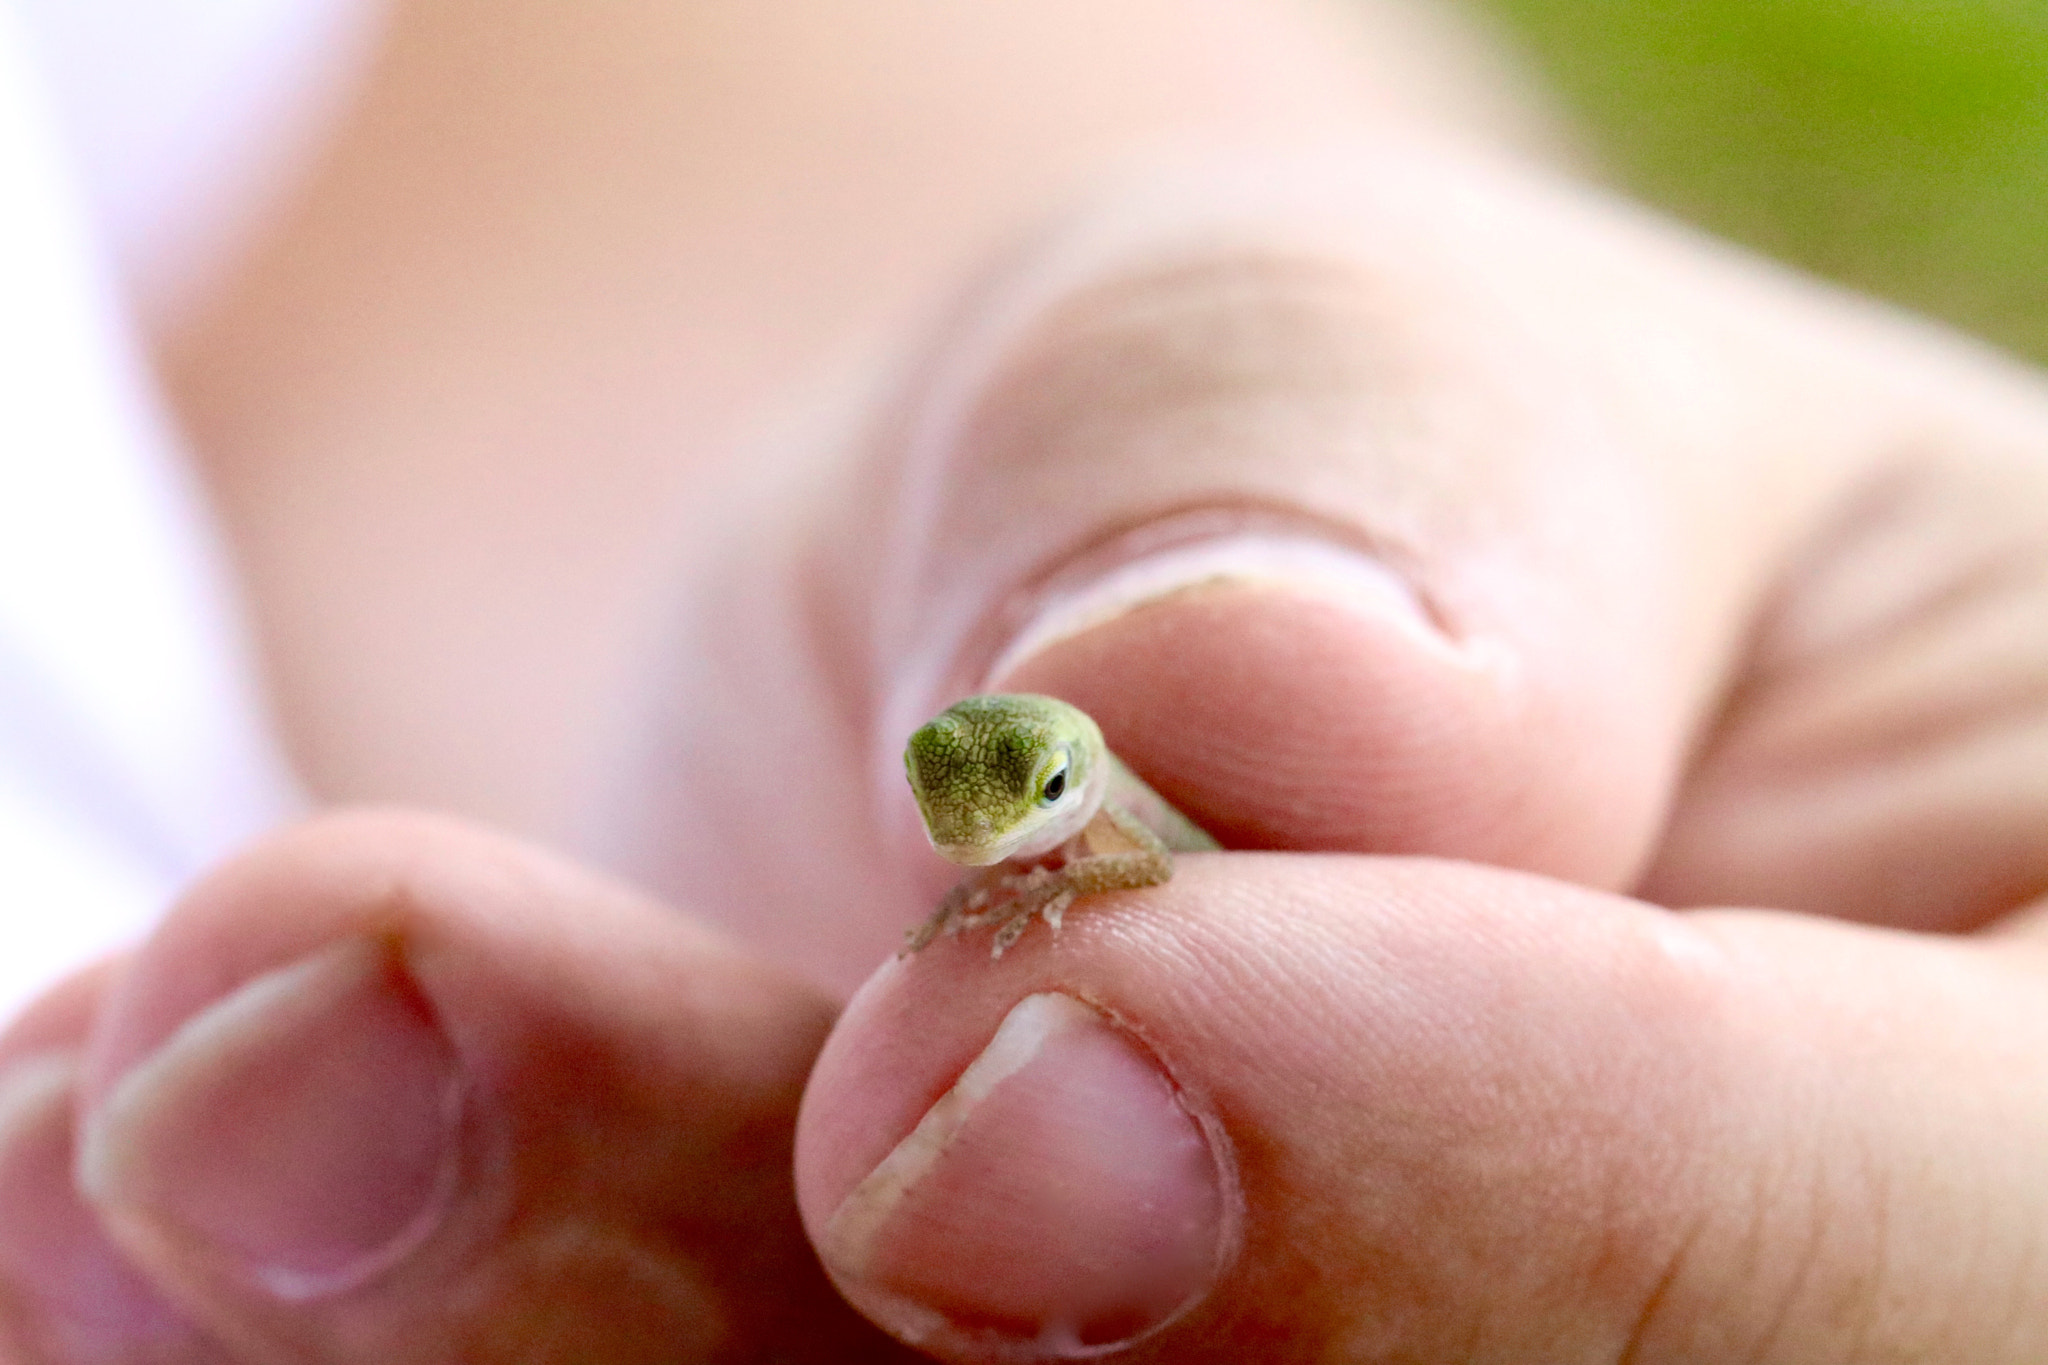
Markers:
point(1294, 562)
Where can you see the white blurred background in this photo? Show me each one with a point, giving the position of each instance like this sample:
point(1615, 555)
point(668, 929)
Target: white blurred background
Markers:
point(140, 143)
point(183, 119)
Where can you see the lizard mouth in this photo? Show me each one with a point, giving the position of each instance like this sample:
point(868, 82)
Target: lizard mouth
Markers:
point(971, 855)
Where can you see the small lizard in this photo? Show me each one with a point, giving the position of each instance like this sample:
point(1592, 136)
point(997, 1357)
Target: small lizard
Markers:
point(1023, 790)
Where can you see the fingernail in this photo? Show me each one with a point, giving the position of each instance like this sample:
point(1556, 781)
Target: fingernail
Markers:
point(1297, 562)
point(67, 1294)
point(1059, 1200)
point(300, 1133)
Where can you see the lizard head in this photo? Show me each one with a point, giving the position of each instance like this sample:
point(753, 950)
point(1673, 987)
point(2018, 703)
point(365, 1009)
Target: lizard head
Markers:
point(1006, 776)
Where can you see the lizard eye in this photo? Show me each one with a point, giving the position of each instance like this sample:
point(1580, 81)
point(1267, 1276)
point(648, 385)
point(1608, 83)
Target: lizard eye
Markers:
point(1055, 786)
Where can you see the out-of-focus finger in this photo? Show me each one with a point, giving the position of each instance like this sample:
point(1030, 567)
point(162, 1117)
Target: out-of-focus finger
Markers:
point(67, 1297)
point(387, 1089)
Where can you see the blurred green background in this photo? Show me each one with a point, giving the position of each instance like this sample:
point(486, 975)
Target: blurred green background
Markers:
point(1900, 146)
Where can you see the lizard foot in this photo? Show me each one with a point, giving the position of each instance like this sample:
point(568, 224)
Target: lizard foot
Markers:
point(958, 904)
point(1006, 899)
point(1050, 903)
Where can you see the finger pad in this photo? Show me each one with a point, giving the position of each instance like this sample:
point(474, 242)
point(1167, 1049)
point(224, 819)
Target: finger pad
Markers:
point(1284, 722)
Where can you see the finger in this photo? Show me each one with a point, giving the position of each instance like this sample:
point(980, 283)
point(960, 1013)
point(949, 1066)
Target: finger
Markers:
point(1669, 528)
point(388, 1089)
point(66, 1296)
point(1391, 504)
point(1291, 1108)
point(1393, 553)
point(1783, 559)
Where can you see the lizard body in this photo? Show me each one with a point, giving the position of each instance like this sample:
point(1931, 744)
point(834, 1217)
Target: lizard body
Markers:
point(1023, 790)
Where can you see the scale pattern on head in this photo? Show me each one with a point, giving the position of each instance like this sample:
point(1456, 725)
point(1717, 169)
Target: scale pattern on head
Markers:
point(979, 772)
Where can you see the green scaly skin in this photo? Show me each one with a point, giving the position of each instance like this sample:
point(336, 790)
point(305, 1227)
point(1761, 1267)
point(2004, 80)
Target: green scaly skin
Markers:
point(1023, 790)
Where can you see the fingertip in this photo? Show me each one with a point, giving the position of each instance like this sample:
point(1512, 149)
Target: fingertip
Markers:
point(1279, 718)
point(301, 1135)
point(1059, 1198)
point(417, 1085)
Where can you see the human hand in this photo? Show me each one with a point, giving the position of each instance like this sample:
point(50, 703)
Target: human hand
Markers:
point(1524, 535)
point(387, 1089)
point(1396, 505)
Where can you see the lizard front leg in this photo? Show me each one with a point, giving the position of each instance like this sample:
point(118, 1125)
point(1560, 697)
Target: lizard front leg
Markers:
point(984, 896)
point(1116, 852)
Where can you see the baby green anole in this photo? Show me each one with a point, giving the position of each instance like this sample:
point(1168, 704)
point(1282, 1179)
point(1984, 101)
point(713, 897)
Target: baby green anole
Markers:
point(1023, 790)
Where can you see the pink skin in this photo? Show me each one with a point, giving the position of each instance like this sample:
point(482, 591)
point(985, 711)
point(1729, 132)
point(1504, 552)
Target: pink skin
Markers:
point(1549, 569)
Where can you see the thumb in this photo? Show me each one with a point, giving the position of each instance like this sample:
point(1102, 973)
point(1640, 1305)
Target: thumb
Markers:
point(388, 1088)
point(1308, 1108)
